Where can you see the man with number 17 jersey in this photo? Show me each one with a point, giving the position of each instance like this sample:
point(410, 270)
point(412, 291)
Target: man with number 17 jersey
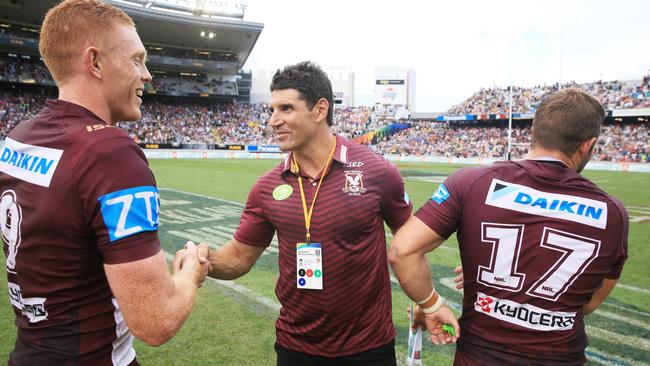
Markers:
point(541, 246)
point(533, 253)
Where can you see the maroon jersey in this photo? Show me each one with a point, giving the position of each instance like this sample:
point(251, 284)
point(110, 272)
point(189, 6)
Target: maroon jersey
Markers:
point(353, 311)
point(536, 241)
point(75, 194)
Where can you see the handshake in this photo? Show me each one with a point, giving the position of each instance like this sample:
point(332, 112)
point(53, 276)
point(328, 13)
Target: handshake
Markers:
point(192, 264)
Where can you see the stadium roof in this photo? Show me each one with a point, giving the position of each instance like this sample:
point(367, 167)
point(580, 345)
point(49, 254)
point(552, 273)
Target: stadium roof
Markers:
point(162, 25)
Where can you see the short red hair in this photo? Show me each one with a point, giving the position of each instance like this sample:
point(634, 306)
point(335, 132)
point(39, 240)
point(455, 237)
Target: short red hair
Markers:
point(72, 26)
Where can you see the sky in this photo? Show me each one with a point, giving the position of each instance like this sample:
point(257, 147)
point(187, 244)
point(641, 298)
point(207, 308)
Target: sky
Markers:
point(457, 47)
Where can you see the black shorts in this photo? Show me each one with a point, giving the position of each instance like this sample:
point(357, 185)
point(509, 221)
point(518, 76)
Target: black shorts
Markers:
point(382, 356)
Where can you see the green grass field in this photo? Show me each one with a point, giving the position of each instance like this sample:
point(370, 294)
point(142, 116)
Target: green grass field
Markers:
point(233, 323)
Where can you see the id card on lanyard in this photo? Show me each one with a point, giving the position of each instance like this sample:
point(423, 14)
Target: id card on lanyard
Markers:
point(309, 266)
point(309, 256)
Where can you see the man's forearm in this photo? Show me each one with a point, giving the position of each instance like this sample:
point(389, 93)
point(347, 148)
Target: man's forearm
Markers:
point(414, 276)
point(407, 257)
point(229, 262)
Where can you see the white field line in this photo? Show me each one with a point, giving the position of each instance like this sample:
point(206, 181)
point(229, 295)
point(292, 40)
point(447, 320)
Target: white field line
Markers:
point(619, 338)
point(201, 195)
point(638, 208)
point(623, 319)
point(643, 313)
point(611, 360)
point(633, 288)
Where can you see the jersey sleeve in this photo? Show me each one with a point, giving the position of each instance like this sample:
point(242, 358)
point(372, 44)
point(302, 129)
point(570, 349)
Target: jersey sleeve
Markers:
point(254, 229)
point(396, 205)
point(442, 212)
point(621, 239)
point(118, 198)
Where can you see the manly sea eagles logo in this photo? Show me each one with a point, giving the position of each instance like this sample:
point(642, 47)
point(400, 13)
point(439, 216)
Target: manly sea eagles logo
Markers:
point(354, 183)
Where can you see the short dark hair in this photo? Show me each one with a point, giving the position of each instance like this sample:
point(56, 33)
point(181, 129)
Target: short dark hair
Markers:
point(310, 81)
point(565, 119)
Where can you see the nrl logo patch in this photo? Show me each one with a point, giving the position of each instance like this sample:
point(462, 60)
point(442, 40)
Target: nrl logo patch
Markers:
point(354, 183)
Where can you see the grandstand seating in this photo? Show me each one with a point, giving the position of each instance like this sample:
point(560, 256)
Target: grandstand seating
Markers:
point(611, 94)
point(239, 123)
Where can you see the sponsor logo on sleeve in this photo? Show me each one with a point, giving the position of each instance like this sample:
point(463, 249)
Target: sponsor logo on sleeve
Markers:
point(31, 163)
point(31, 307)
point(524, 199)
point(525, 315)
point(441, 194)
point(130, 211)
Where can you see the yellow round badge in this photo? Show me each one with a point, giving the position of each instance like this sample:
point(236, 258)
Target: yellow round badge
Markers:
point(282, 192)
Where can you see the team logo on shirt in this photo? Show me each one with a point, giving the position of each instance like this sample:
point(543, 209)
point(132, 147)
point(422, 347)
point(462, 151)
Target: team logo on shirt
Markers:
point(354, 183)
point(524, 199)
point(31, 163)
point(130, 211)
point(525, 315)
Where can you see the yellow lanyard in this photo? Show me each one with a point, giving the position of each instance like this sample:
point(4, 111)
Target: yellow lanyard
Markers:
point(306, 213)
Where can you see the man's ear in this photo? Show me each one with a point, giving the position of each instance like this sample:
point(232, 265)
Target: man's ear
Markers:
point(322, 108)
point(587, 146)
point(91, 62)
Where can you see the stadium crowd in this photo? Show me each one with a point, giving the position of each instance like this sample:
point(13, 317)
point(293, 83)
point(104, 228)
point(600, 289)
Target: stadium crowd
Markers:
point(611, 94)
point(455, 141)
point(239, 123)
point(617, 142)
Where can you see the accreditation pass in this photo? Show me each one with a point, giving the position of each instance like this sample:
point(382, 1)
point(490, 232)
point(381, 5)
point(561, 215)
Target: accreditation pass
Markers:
point(309, 266)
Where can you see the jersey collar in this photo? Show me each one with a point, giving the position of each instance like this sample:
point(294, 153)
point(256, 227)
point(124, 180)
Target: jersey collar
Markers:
point(549, 158)
point(340, 154)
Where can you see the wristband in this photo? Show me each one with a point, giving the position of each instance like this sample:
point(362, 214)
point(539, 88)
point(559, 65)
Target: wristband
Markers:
point(435, 307)
point(433, 292)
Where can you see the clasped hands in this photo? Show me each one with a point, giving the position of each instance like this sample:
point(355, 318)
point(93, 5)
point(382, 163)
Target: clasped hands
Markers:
point(193, 260)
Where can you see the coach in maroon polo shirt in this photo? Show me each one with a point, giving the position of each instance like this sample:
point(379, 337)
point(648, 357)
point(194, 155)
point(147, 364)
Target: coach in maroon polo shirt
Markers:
point(327, 202)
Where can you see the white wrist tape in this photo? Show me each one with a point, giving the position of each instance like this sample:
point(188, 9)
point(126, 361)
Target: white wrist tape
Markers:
point(433, 292)
point(435, 307)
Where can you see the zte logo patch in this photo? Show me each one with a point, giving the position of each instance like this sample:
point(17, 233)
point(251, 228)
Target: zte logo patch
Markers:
point(130, 211)
point(561, 206)
point(525, 315)
point(34, 164)
point(441, 194)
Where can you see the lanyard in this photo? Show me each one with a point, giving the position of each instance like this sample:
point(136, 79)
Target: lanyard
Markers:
point(309, 213)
